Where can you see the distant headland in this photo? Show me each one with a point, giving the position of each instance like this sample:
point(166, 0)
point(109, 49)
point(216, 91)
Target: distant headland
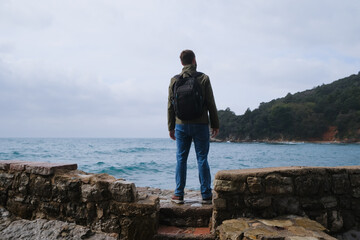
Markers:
point(328, 113)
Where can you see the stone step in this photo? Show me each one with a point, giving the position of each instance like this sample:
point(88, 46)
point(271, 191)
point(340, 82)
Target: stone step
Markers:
point(190, 214)
point(184, 233)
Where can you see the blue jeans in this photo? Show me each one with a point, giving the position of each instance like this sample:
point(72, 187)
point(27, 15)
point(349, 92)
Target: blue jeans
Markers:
point(185, 134)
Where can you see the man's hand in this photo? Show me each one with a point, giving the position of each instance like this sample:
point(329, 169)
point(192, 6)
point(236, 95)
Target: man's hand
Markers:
point(172, 134)
point(214, 132)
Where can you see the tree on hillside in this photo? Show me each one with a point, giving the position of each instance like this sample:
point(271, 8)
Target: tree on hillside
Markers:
point(304, 115)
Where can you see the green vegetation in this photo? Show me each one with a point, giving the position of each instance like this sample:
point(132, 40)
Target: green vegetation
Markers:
point(303, 116)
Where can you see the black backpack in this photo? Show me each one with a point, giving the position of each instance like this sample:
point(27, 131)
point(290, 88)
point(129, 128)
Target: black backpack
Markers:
point(188, 98)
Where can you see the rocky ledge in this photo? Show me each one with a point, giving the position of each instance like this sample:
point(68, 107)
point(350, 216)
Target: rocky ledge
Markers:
point(12, 227)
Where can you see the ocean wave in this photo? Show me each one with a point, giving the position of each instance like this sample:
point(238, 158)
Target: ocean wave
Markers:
point(102, 152)
point(125, 170)
point(135, 150)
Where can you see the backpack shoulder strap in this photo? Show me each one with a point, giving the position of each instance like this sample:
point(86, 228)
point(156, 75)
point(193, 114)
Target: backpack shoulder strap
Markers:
point(197, 74)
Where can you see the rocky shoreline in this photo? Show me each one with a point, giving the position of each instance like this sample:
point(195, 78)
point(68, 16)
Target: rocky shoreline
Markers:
point(281, 141)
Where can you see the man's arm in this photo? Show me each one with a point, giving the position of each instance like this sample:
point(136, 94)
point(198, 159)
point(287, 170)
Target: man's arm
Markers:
point(214, 132)
point(171, 113)
point(210, 103)
point(172, 134)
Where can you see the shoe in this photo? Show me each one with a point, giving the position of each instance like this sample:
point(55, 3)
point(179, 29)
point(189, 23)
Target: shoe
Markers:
point(207, 200)
point(177, 199)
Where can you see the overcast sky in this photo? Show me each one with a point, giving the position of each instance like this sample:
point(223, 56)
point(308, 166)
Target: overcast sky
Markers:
point(86, 68)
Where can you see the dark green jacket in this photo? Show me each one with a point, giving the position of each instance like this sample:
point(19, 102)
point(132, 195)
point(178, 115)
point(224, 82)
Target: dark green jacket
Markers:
point(209, 106)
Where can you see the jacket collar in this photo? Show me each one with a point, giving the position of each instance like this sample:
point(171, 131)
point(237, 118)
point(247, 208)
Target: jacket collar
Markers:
point(188, 70)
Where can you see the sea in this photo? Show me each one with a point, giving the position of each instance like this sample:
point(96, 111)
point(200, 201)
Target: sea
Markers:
point(150, 162)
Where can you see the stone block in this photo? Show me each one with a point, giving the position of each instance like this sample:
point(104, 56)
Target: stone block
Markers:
point(311, 204)
point(50, 209)
point(345, 202)
point(320, 217)
point(6, 180)
point(355, 180)
point(109, 225)
point(21, 183)
point(5, 164)
point(133, 209)
point(310, 185)
point(329, 201)
point(47, 169)
point(309, 224)
point(75, 212)
point(257, 202)
point(277, 184)
point(23, 210)
point(66, 188)
point(340, 183)
point(356, 192)
point(18, 166)
point(219, 203)
point(336, 222)
point(232, 229)
point(3, 197)
point(349, 219)
point(103, 186)
point(224, 186)
point(41, 187)
point(286, 205)
point(123, 191)
point(141, 228)
point(229, 186)
point(355, 207)
point(254, 184)
point(90, 193)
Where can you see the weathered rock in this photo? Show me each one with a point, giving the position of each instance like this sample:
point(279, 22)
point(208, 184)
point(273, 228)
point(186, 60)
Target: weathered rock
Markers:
point(355, 180)
point(5, 218)
point(336, 221)
point(232, 229)
point(341, 183)
point(41, 187)
point(356, 192)
point(219, 203)
point(227, 186)
point(276, 184)
point(286, 205)
point(254, 184)
point(50, 230)
point(258, 202)
point(6, 180)
point(90, 193)
point(329, 201)
point(285, 228)
point(123, 191)
point(310, 185)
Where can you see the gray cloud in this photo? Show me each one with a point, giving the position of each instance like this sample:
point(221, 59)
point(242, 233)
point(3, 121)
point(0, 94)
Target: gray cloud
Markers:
point(102, 68)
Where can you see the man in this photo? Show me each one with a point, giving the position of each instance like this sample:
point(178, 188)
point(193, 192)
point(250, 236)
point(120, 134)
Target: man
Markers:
point(196, 130)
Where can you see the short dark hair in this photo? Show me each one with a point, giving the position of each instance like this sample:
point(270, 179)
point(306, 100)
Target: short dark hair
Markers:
point(187, 57)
